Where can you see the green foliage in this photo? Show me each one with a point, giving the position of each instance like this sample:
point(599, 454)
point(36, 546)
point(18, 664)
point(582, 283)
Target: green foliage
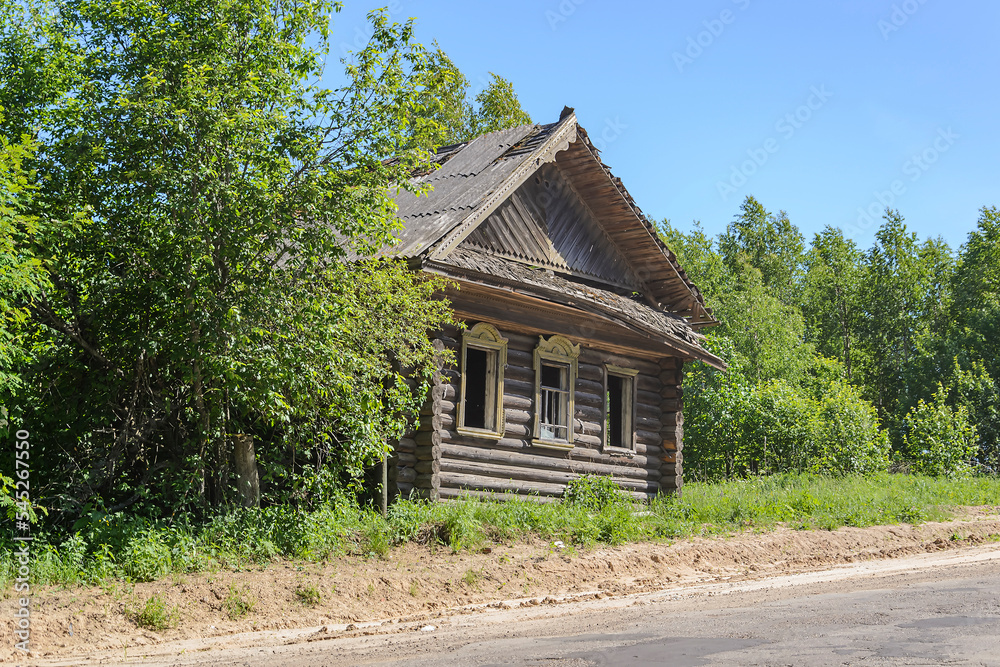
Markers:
point(239, 602)
point(308, 595)
point(767, 335)
point(498, 108)
point(156, 614)
point(447, 113)
point(146, 556)
point(849, 439)
point(831, 301)
point(595, 492)
point(940, 439)
point(736, 426)
point(801, 500)
point(697, 253)
point(197, 195)
point(769, 243)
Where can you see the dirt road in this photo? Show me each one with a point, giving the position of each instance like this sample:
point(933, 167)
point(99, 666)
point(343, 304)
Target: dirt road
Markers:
point(660, 599)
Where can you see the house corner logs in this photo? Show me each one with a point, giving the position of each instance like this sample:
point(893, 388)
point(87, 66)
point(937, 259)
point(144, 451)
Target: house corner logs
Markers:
point(672, 432)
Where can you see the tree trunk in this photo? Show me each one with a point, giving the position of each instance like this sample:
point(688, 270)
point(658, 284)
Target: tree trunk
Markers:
point(247, 481)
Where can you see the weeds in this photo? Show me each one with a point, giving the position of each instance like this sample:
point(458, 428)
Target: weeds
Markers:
point(117, 549)
point(155, 614)
point(308, 595)
point(239, 602)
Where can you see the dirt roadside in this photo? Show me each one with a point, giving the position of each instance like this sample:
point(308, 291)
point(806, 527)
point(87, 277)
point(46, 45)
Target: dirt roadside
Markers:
point(416, 584)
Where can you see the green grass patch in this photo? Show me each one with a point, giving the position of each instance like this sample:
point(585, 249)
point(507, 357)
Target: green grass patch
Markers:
point(239, 602)
point(115, 548)
point(156, 614)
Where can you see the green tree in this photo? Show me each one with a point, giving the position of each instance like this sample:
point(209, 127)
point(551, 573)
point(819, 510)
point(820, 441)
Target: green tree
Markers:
point(698, 256)
point(831, 296)
point(202, 294)
point(22, 277)
point(767, 335)
point(444, 114)
point(770, 243)
point(904, 295)
point(444, 101)
point(497, 108)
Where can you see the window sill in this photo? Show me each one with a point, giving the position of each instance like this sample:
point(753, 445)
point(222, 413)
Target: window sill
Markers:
point(552, 444)
point(619, 451)
point(478, 433)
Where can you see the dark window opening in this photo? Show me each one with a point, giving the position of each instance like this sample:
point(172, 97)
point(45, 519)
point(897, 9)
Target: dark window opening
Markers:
point(476, 390)
point(616, 411)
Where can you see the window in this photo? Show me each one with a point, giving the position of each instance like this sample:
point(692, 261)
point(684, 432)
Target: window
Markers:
point(484, 356)
point(619, 408)
point(555, 379)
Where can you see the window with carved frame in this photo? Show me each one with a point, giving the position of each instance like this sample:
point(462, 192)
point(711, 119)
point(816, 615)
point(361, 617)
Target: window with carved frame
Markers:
point(555, 381)
point(480, 408)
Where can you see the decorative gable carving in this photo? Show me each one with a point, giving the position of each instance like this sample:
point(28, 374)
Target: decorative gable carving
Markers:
point(545, 223)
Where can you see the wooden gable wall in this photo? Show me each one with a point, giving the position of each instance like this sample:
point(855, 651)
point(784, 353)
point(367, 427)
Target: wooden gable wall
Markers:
point(545, 223)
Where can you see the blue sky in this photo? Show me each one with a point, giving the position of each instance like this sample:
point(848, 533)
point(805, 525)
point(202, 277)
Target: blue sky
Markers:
point(824, 109)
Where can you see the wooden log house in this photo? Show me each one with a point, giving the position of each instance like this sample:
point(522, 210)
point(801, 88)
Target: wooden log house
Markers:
point(578, 320)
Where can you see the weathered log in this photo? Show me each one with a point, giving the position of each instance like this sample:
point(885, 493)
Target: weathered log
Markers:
point(518, 416)
point(584, 386)
point(405, 476)
point(531, 461)
point(515, 402)
point(449, 493)
point(519, 388)
point(405, 458)
point(648, 383)
point(431, 467)
point(649, 423)
point(482, 483)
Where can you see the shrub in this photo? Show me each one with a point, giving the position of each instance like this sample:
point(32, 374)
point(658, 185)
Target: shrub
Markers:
point(146, 556)
point(594, 492)
point(939, 439)
point(308, 595)
point(156, 614)
point(849, 440)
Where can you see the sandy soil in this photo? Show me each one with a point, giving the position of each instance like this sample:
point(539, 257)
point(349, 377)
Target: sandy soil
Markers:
point(417, 583)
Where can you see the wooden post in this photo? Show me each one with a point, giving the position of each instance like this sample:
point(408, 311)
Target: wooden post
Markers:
point(385, 485)
point(247, 480)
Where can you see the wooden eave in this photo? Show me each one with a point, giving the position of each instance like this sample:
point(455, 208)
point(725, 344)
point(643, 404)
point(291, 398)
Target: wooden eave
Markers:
point(668, 285)
point(473, 282)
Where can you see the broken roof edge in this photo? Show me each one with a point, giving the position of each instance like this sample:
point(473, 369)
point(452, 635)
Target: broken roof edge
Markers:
point(686, 349)
point(705, 318)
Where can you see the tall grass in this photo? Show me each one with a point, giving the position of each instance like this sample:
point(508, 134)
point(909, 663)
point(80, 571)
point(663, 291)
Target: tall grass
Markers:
point(136, 550)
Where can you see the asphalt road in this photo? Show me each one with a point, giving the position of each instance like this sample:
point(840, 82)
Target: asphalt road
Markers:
point(948, 615)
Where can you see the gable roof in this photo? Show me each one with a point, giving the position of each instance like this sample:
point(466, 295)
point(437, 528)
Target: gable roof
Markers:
point(477, 176)
point(485, 176)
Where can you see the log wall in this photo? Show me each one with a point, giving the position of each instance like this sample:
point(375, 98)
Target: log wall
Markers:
point(436, 461)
